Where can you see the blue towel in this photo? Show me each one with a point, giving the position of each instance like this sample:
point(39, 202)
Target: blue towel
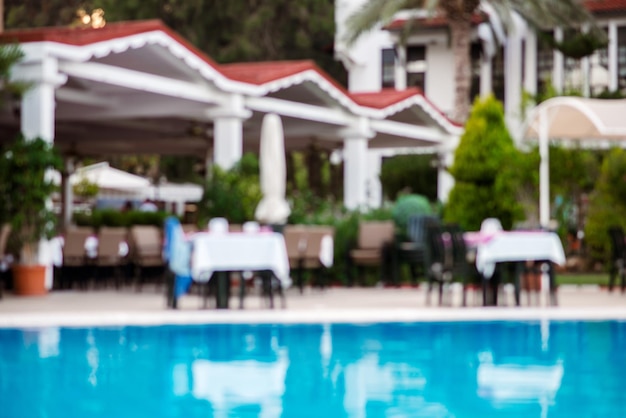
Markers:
point(177, 253)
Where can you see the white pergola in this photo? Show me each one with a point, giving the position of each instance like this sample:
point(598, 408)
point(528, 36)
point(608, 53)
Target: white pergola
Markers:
point(571, 118)
point(138, 87)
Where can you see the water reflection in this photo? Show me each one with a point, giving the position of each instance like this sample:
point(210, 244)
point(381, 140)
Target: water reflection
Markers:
point(500, 369)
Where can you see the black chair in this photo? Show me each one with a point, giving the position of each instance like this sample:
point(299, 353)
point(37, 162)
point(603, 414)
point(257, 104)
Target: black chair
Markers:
point(437, 261)
point(462, 269)
point(413, 250)
point(618, 257)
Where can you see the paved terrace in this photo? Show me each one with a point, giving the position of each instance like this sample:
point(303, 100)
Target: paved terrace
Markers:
point(127, 306)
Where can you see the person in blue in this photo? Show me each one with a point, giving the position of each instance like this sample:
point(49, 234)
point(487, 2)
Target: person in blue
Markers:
point(177, 254)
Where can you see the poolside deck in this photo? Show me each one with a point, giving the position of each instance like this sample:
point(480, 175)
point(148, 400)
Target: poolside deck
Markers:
point(335, 304)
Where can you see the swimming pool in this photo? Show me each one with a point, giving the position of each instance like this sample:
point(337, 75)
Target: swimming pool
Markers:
point(432, 369)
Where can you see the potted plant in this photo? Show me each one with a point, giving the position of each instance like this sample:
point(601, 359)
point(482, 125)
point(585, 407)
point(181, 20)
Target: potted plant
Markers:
point(25, 192)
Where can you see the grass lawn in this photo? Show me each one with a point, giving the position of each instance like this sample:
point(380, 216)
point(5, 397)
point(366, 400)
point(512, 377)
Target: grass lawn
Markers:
point(583, 278)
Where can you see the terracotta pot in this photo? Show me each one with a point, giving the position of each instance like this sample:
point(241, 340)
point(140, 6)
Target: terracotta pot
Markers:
point(29, 280)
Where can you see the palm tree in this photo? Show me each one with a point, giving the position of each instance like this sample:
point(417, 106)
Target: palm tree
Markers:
point(538, 13)
point(10, 90)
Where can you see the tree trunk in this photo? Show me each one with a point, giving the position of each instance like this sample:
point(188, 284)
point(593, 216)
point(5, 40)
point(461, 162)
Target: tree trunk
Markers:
point(460, 33)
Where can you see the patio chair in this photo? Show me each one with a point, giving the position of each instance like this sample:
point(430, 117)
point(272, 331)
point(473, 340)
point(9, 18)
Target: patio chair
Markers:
point(412, 249)
point(304, 250)
point(463, 270)
point(618, 257)
point(374, 247)
point(109, 258)
point(5, 231)
point(77, 266)
point(437, 258)
point(146, 252)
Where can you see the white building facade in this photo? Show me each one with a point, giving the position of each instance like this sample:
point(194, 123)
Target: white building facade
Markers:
point(514, 66)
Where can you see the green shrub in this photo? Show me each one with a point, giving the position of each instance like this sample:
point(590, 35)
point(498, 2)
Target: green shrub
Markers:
point(607, 205)
point(407, 206)
point(413, 173)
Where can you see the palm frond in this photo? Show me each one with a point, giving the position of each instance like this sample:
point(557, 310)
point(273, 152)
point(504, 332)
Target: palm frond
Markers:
point(9, 56)
point(377, 12)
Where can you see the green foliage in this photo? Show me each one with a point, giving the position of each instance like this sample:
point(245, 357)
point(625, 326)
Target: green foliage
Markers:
point(408, 205)
point(86, 189)
point(485, 170)
point(414, 173)
point(114, 217)
point(577, 44)
point(25, 191)
point(233, 194)
point(9, 56)
point(607, 204)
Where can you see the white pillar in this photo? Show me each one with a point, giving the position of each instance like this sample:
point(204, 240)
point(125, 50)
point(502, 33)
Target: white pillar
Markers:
point(513, 75)
point(400, 67)
point(530, 62)
point(613, 46)
point(355, 164)
point(586, 79)
point(228, 131)
point(486, 87)
point(445, 180)
point(37, 110)
point(544, 169)
point(374, 190)
point(557, 69)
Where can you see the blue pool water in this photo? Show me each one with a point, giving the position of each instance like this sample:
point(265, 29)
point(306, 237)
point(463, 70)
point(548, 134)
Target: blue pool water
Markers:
point(462, 369)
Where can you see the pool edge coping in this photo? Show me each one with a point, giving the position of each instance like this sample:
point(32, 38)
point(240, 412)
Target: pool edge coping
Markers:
point(360, 316)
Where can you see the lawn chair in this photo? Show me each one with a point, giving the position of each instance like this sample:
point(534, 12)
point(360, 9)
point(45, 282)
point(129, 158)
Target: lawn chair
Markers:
point(110, 242)
point(77, 266)
point(618, 257)
point(146, 252)
point(373, 248)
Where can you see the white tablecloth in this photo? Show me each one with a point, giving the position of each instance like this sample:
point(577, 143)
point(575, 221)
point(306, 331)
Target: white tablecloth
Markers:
point(238, 251)
point(518, 246)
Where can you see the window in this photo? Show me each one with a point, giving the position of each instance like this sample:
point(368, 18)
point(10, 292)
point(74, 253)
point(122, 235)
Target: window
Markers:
point(621, 59)
point(545, 62)
point(497, 75)
point(475, 57)
point(388, 68)
point(416, 66)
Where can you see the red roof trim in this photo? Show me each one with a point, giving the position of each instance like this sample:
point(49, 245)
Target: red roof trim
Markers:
point(432, 22)
point(605, 6)
point(87, 36)
point(256, 73)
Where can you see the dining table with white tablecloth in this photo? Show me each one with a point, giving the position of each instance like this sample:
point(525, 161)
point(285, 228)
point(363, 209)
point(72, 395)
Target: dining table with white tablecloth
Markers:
point(213, 252)
point(516, 246)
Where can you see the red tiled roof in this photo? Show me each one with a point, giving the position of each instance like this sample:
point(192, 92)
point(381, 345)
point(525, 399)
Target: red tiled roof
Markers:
point(388, 97)
point(263, 72)
point(384, 98)
point(86, 36)
point(605, 6)
point(432, 22)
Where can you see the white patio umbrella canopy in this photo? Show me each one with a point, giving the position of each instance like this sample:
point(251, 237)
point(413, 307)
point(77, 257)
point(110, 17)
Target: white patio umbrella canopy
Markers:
point(571, 118)
point(273, 208)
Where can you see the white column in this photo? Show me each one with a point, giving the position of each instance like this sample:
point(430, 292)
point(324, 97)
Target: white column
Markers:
point(228, 131)
point(400, 67)
point(486, 77)
point(513, 74)
point(530, 62)
point(37, 110)
point(557, 69)
point(544, 169)
point(586, 73)
point(355, 164)
point(374, 190)
point(445, 180)
point(613, 46)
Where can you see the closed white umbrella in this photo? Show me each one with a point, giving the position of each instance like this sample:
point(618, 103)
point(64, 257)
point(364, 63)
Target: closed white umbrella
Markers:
point(273, 208)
